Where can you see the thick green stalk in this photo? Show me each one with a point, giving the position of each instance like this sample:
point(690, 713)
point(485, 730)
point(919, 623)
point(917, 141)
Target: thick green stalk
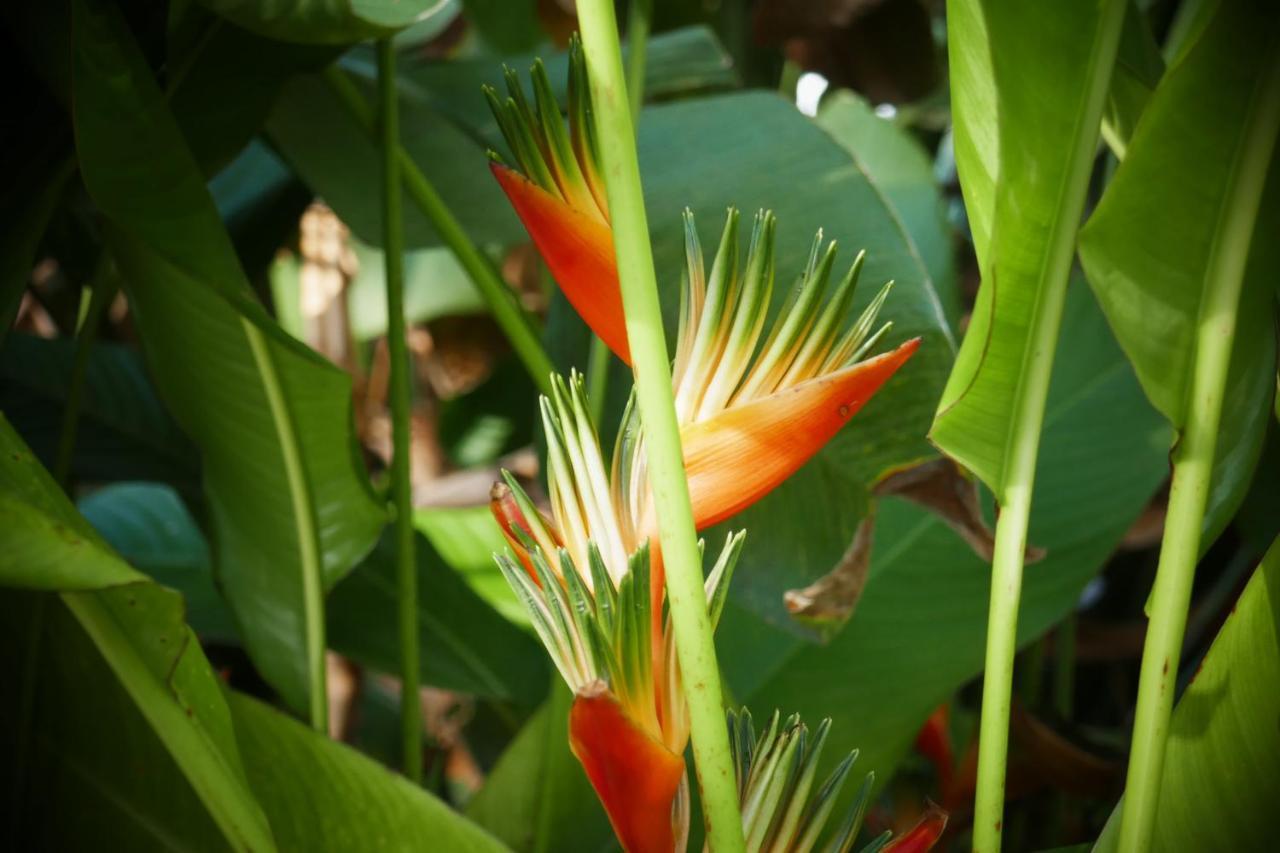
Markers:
point(639, 13)
point(1193, 464)
point(102, 290)
point(400, 392)
point(1023, 445)
point(694, 645)
point(510, 317)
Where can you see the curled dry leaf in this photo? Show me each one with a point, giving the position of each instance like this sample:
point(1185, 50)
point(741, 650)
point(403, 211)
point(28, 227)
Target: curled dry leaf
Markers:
point(941, 487)
point(829, 601)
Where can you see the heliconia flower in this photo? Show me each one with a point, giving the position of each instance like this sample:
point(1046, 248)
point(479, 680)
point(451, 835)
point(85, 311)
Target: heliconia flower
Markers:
point(774, 393)
point(781, 808)
point(585, 581)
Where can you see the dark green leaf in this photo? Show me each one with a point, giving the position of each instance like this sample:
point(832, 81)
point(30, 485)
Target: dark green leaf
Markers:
point(1137, 72)
point(465, 644)
point(324, 21)
point(147, 524)
point(289, 504)
point(125, 432)
point(538, 798)
point(1151, 249)
point(446, 126)
point(321, 795)
point(106, 678)
point(901, 167)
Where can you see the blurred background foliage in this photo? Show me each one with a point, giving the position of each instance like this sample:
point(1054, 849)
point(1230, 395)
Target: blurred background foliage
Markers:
point(191, 261)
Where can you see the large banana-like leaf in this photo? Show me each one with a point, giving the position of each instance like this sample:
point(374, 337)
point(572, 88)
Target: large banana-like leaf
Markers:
point(289, 504)
point(325, 21)
point(1153, 247)
point(1029, 84)
point(1220, 782)
point(114, 725)
point(325, 796)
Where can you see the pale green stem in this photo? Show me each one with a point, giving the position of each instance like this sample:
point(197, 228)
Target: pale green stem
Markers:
point(1024, 444)
point(400, 392)
point(695, 648)
point(507, 312)
point(102, 290)
point(639, 13)
point(1193, 464)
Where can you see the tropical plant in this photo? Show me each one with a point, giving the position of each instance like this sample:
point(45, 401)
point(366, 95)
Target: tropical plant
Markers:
point(368, 403)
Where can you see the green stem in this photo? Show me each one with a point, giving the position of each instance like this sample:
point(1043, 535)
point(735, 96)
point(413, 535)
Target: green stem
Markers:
point(507, 312)
point(400, 392)
point(1193, 463)
point(639, 14)
point(695, 648)
point(102, 291)
point(1024, 442)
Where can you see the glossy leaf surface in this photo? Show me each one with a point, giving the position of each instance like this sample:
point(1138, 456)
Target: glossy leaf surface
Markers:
point(1219, 784)
point(1149, 249)
point(289, 504)
point(1029, 84)
point(145, 691)
point(322, 795)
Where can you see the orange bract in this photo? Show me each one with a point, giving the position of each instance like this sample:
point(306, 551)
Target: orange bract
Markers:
point(746, 451)
point(578, 249)
point(635, 776)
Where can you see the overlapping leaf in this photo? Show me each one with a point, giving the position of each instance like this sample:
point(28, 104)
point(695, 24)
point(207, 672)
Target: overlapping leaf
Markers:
point(145, 751)
point(289, 505)
point(322, 795)
point(1029, 86)
point(324, 21)
point(1154, 247)
point(1219, 784)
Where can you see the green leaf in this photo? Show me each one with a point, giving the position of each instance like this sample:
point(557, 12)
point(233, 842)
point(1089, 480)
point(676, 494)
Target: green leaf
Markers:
point(1028, 85)
point(918, 631)
point(290, 507)
point(679, 63)
point(46, 545)
point(446, 127)
point(321, 795)
point(506, 25)
point(1139, 67)
point(146, 743)
point(903, 170)
point(537, 798)
point(125, 432)
point(467, 538)
point(1151, 246)
point(1219, 786)
point(324, 21)
point(147, 524)
point(466, 645)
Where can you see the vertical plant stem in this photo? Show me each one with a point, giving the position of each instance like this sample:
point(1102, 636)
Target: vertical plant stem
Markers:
point(1023, 445)
point(639, 13)
point(400, 391)
point(507, 312)
point(694, 645)
point(102, 290)
point(1193, 463)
